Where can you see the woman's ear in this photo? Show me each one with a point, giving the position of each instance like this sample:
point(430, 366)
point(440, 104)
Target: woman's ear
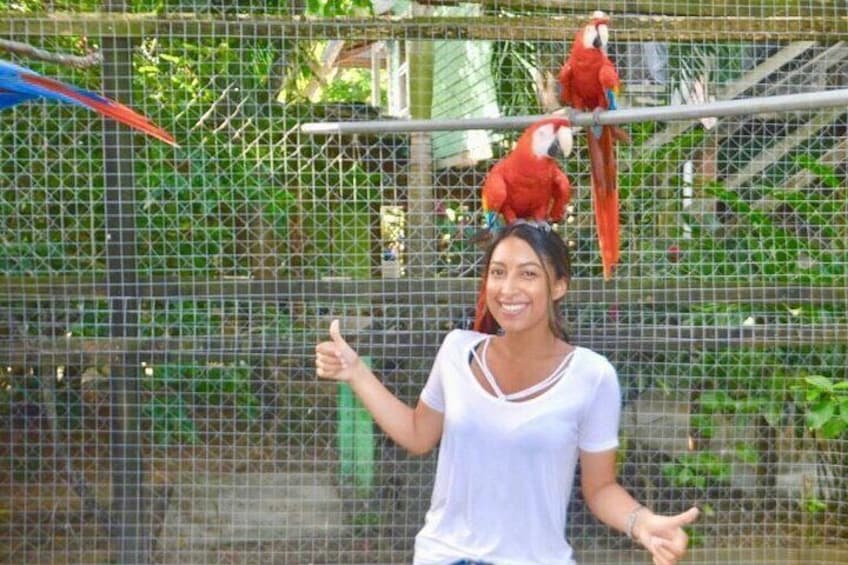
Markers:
point(560, 288)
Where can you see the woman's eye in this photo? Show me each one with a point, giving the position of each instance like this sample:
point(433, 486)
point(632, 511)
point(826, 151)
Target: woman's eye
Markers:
point(530, 274)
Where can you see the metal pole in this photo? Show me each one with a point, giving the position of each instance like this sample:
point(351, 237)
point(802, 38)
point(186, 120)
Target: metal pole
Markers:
point(737, 107)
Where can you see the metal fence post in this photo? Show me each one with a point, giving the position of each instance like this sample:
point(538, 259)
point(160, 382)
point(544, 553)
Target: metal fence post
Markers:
point(129, 527)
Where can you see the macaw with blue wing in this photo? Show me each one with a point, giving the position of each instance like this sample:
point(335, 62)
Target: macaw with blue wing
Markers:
point(589, 82)
point(19, 84)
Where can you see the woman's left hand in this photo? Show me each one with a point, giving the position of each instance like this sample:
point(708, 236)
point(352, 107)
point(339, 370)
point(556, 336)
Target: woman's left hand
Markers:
point(663, 536)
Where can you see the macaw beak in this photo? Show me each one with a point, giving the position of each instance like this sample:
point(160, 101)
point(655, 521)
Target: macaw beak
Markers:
point(565, 140)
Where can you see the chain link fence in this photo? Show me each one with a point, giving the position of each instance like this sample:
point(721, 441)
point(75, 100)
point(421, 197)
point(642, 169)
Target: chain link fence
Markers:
point(160, 305)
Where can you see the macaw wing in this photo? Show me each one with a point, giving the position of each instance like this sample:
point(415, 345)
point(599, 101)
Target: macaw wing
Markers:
point(9, 98)
point(562, 195)
point(494, 195)
point(609, 81)
point(565, 84)
point(608, 76)
point(612, 103)
point(494, 190)
point(11, 90)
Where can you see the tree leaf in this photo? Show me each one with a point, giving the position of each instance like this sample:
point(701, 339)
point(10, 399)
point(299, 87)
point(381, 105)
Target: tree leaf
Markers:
point(819, 415)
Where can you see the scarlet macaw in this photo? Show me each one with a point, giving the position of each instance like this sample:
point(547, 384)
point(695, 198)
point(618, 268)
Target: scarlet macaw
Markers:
point(588, 82)
point(19, 84)
point(528, 184)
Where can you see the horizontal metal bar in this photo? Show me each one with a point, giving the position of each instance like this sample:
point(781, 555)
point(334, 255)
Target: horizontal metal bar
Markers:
point(760, 9)
point(297, 352)
point(737, 107)
point(627, 27)
point(415, 292)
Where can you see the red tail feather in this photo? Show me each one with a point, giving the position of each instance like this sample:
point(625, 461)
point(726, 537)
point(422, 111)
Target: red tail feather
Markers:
point(106, 107)
point(605, 197)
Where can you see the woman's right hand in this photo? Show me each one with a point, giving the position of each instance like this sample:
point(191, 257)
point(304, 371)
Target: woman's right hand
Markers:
point(335, 359)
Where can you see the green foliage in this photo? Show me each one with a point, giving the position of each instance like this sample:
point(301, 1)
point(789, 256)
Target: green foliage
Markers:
point(40, 6)
point(351, 85)
point(170, 420)
point(334, 8)
point(699, 470)
point(198, 209)
point(514, 66)
point(186, 318)
point(748, 385)
point(826, 174)
point(171, 6)
point(804, 243)
point(826, 405)
point(744, 384)
point(801, 238)
point(176, 392)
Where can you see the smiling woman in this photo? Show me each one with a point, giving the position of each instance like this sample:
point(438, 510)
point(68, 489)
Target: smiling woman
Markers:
point(514, 408)
point(534, 255)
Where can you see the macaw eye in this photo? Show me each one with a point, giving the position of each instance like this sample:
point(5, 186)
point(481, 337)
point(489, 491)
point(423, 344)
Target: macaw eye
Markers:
point(589, 35)
point(603, 31)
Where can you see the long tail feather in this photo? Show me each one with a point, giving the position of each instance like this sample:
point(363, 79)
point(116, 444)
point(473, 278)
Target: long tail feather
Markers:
point(605, 198)
point(611, 176)
point(606, 218)
point(103, 105)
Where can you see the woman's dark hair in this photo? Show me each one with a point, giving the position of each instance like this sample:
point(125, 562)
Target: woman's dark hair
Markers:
point(551, 250)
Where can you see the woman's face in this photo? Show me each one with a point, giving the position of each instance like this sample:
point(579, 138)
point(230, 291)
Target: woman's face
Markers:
point(517, 292)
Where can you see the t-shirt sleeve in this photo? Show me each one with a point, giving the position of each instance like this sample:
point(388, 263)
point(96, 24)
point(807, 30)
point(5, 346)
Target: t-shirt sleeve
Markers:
point(599, 426)
point(433, 392)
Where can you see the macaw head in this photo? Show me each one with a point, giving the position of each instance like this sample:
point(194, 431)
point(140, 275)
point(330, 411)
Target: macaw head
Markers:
point(595, 34)
point(548, 138)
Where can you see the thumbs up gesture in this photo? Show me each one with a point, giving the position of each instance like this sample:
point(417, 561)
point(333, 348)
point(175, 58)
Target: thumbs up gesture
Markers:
point(335, 359)
point(663, 536)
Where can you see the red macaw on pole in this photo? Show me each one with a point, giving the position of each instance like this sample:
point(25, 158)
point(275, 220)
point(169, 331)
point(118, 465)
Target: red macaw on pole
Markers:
point(528, 184)
point(19, 84)
point(589, 82)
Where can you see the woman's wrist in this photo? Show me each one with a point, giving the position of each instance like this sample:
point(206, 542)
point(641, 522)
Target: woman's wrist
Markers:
point(631, 528)
point(358, 373)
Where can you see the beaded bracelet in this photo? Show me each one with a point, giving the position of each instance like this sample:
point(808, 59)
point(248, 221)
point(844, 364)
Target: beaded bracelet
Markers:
point(631, 520)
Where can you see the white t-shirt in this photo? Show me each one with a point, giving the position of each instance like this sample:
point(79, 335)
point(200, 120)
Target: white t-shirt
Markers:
point(505, 469)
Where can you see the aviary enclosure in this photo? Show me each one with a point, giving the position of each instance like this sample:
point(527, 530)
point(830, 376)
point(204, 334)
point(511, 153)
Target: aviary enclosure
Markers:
point(160, 305)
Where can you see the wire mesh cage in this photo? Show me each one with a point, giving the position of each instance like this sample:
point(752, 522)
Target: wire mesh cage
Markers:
point(161, 303)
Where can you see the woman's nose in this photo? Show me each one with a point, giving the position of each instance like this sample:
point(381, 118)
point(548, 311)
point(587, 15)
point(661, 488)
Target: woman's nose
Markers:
point(510, 284)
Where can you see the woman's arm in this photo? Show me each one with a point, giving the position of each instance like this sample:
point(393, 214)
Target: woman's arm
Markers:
point(416, 430)
point(663, 536)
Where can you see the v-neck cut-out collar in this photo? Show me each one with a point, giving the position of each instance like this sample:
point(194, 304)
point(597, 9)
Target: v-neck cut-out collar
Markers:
point(526, 394)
